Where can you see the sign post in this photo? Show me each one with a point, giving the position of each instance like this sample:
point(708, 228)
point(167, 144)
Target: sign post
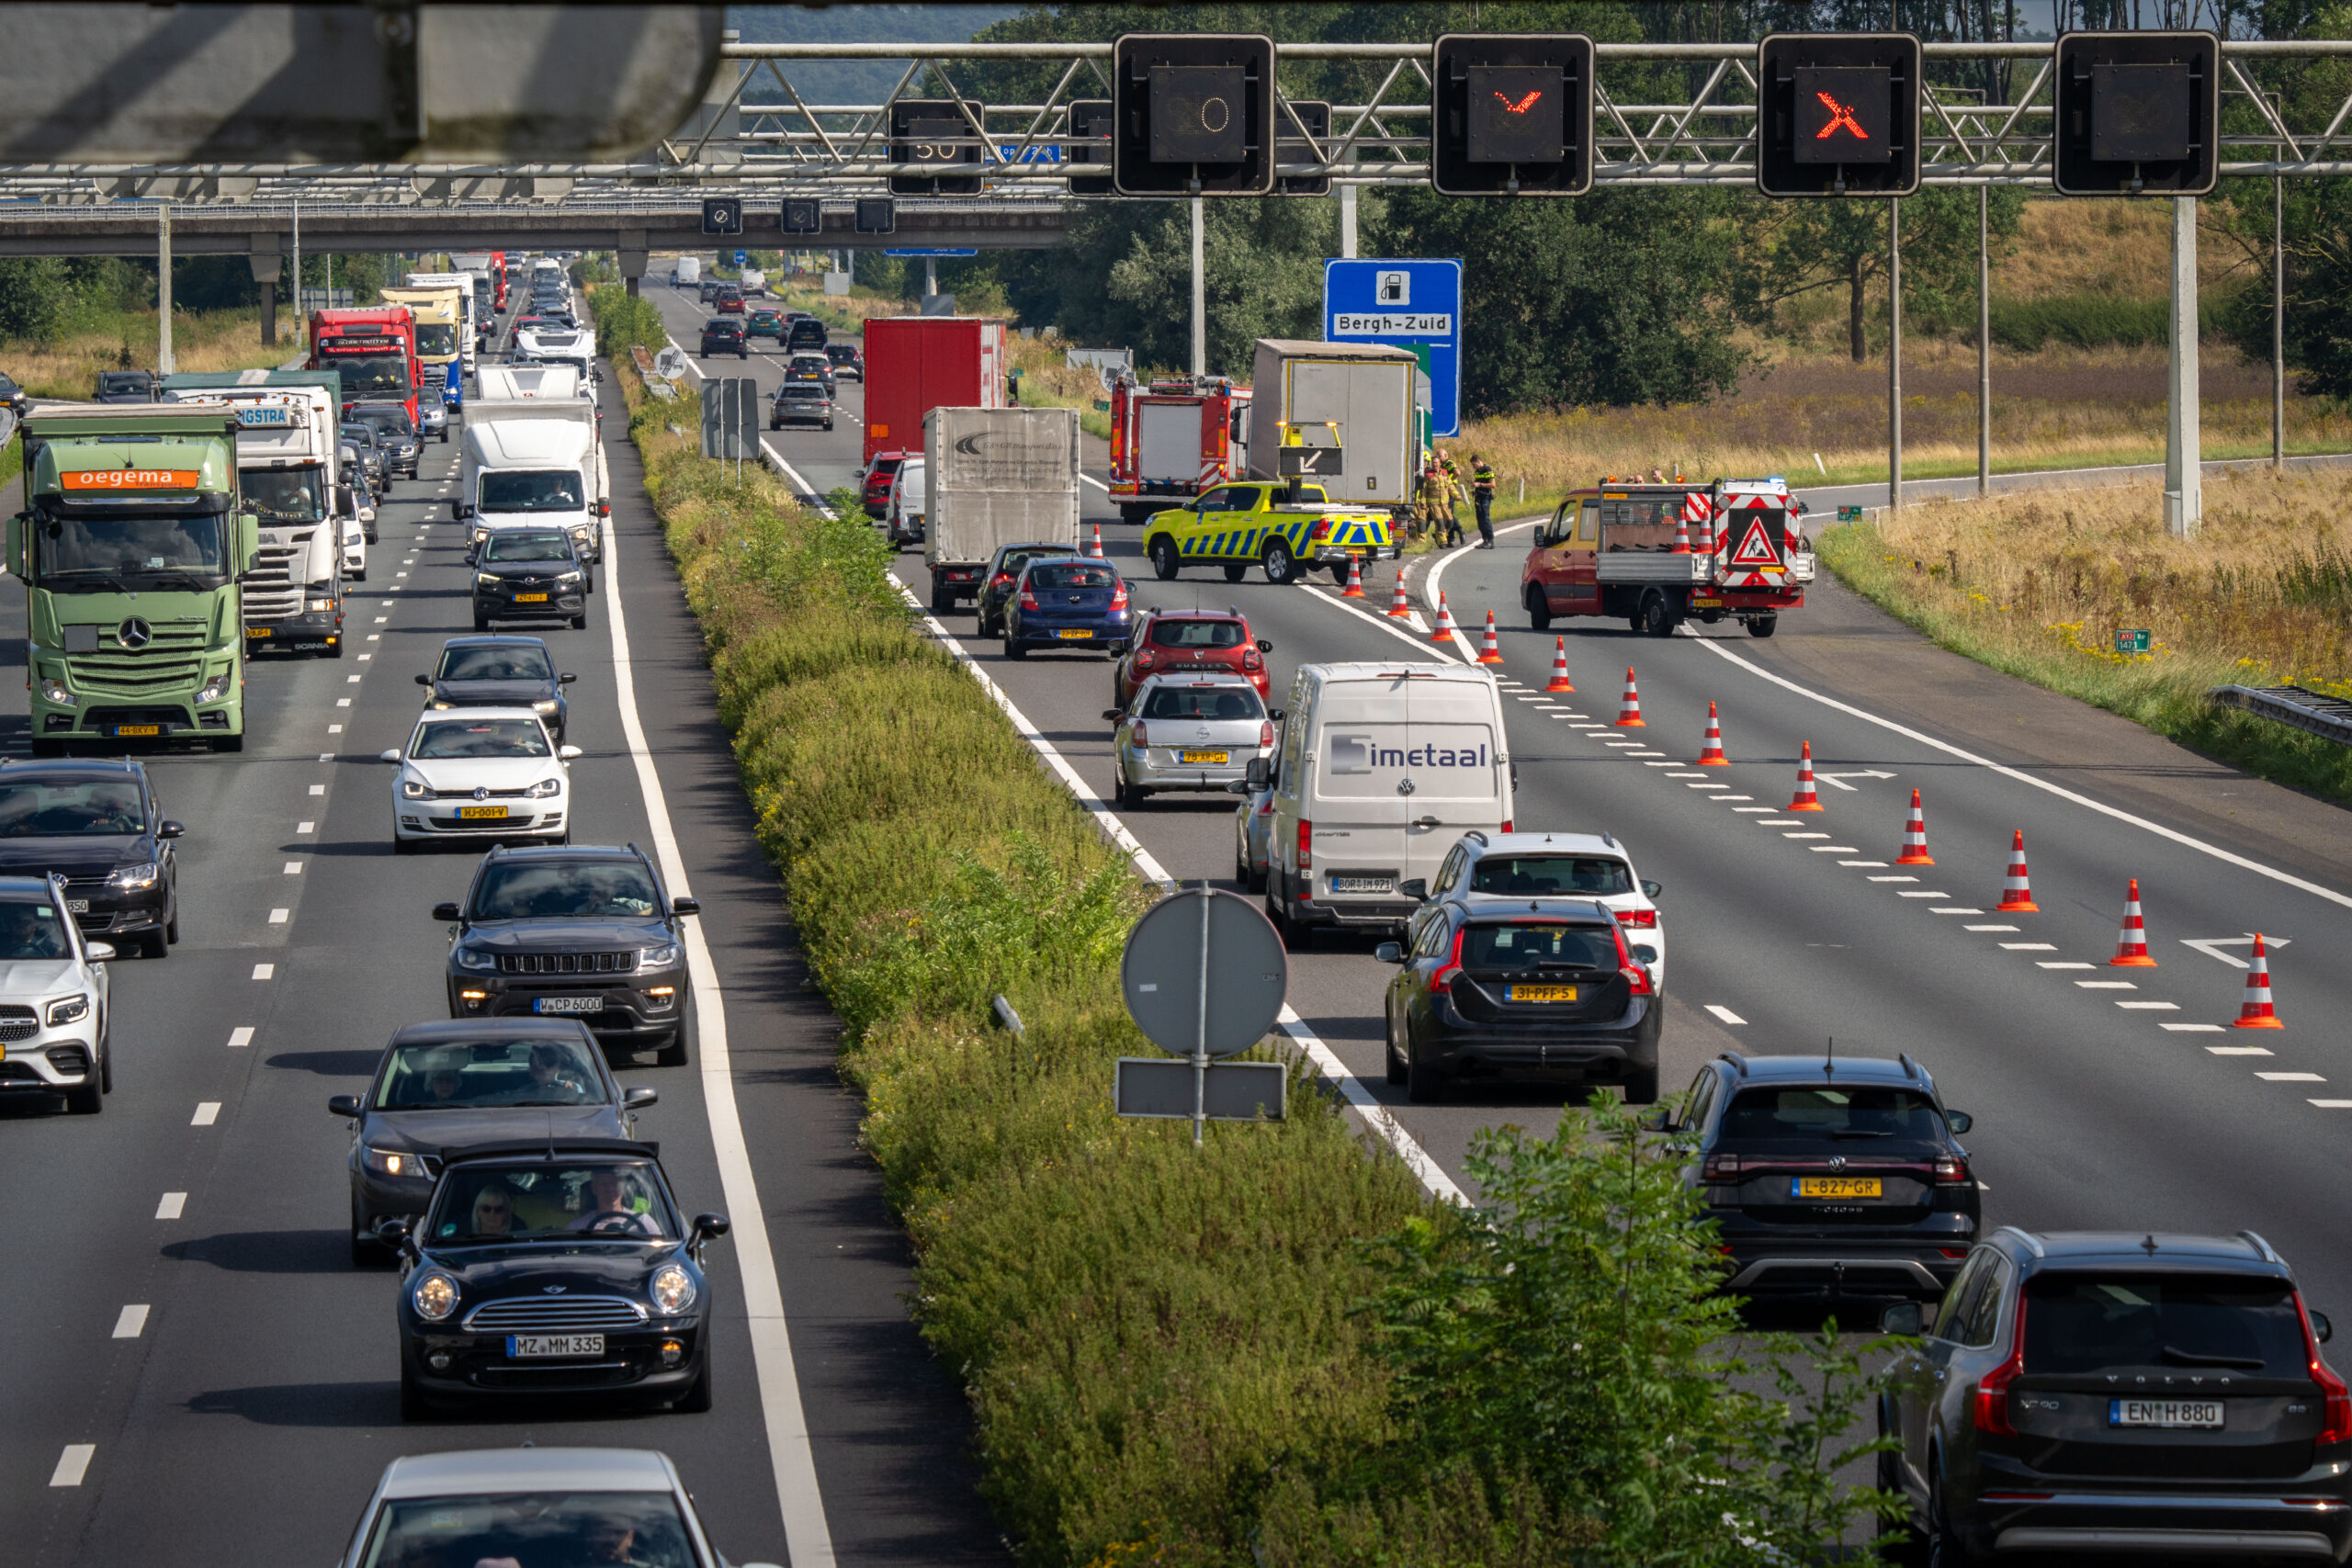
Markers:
point(1411, 305)
point(1204, 974)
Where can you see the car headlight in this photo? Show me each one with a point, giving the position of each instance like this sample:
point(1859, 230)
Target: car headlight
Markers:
point(317, 605)
point(393, 1162)
point(475, 958)
point(567, 577)
point(215, 689)
point(544, 788)
point(52, 690)
point(672, 1289)
point(548, 706)
point(69, 1009)
point(415, 789)
point(131, 877)
point(661, 957)
point(435, 1297)
point(485, 580)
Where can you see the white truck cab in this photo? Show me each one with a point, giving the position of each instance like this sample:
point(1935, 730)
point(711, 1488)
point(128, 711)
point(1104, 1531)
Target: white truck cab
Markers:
point(524, 471)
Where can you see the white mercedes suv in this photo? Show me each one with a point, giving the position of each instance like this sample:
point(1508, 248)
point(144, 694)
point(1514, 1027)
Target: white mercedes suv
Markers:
point(53, 1009)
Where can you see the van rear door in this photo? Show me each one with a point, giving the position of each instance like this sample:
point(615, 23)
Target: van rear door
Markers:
point(1405, 762)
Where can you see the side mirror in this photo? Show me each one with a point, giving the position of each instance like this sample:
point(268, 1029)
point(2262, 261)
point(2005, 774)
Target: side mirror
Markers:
point(394, 755)
point(343, 1104)
point(2321, 1326)
point(686, 905)
point(1656, 1119)
point(709, 1226)
point(1652, 890)
point(1239, 786)
point(639, 1099)
point(1959, 1122)
point(346, 499)
point(17, 545)
point(566, 679)
point(1415, 888)
point(568, 753)
point(1389, 952)
point(1904, 1318)
point(100, 951)
point(448, 912)
point(1266, 646)
point(424, 680)
point(393, 1233)
point(1277, 715)
point(170, 830)
point(1259, 773)
point(1113, 715)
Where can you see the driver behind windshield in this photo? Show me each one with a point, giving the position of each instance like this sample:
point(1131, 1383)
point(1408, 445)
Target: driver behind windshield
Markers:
point(479, 738)
point(533, 546)
point(130, 543)
point(33, 932)
point(45, 810)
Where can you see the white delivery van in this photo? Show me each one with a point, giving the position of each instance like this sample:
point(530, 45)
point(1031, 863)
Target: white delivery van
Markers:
point(686, 272)
point(1383, 767)
point(534, 464)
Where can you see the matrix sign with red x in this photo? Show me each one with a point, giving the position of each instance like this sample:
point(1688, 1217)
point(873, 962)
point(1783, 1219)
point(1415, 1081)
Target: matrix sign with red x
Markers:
point(1839, 114)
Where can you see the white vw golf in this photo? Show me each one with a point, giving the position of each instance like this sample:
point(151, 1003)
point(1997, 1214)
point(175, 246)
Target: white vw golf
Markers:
point(481, 773)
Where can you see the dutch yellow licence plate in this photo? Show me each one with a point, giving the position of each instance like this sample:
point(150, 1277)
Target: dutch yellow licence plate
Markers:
point(1074, 637)
point(477, 813)
point(1201, 756)
point(530, 598)
point(1833, 1187)
point(256, 631)
point(1539, 993)
point(139, 730)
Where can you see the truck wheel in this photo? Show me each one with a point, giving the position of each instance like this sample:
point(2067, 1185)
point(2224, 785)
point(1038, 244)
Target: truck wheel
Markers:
point(1656, 614)
point(1235, 571)
point(942, 600)
point(1279, 567)
point(1164, 559)
point(1539, 608)
point(1763, 626)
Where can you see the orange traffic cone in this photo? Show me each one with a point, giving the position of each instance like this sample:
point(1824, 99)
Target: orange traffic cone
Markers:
point(1095, 549)
point(1354, 590)
point(2254, 1011)
point(1683, 535)
point(1711, 749)
point(2016, 892)
point(1629, 711)
point(1559, 666)
point(2131, 947)
point(1804, 799)
point(1443, 631)
point(1915, 838)
point(1398, 609)
point(1490, 653)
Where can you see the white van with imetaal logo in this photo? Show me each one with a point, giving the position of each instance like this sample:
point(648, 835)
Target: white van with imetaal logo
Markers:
point(1383, 767)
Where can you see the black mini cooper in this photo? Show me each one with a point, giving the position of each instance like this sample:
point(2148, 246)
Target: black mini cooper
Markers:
point(558, 1266)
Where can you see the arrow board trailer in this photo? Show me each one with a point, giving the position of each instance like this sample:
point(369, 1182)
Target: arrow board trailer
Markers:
point(1658, 554)
point(1340, 414)
point(994, 476)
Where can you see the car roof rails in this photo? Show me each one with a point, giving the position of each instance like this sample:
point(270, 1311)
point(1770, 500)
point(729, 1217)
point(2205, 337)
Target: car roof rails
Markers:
point(2262, 1247)
point(2032, 1241)
point(1738, 1062)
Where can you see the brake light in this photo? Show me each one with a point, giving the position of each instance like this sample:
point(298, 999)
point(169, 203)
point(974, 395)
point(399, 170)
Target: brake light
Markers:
point(1266, 736)
point(1146, 659)
point(1000, 580)
point(1250, 660)
point(1138, 734)
point(1028, 600)
point(1719, 1168)
point(1322, 529)
point(2336, 1425)
point(1447, 972)
point(1637, 979)
point(1993, 1388)
point(1506, 828)
point(1646, 918)
point(1950, 1171)
point(1305, 844)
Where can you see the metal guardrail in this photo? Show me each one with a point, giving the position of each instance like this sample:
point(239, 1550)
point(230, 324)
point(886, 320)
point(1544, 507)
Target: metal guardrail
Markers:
point(2312, 711)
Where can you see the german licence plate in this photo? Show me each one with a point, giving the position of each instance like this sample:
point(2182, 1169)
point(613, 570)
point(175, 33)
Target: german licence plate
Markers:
point(138, 729)
point(1363, 884)
point(568, 1004)
point(1073, 635)
point(1201, 756)
point(1833, 1187)
point(77, 906)
point(521, 1346)
point(481, 813)
point(1539, 993)
point(530, 598)
point(2201, 1413)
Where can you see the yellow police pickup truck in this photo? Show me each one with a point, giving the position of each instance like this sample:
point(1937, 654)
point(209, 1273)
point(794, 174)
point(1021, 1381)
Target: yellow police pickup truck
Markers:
point(1280, 527)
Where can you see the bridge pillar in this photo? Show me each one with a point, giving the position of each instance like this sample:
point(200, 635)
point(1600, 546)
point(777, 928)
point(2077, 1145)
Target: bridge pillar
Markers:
point(267, 264)
point(629, 249)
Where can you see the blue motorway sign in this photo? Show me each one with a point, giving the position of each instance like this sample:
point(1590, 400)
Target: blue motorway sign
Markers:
point(1413, 305)
point(742, 258)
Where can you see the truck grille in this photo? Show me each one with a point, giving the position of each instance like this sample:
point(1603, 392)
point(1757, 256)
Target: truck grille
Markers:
point(18, 1023)
point(271, 592)
point(555, 1315)
point(171, 661)
point(567, 963)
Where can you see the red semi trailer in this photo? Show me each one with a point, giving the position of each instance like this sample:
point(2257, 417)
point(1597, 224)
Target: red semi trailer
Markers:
point(916, 363)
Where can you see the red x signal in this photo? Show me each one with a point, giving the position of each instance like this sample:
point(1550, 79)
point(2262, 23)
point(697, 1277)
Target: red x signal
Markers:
point(1523, 105)
point(1840, 117)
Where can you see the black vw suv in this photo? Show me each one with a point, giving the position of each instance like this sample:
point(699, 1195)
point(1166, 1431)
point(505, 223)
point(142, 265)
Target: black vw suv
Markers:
point(565, 931)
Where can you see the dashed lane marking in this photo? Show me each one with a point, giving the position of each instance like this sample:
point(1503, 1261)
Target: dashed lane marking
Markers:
point(2027, 946)
point(2105, 985)
point(72, 1464)
point(172, 1207)
point(208, 1111)
point(1955, 909)
point(265, 971)
point(241, 1036)
point(1988, 928)
point(2290, 1078)
point(2150, 1007)
point(279, 917)
point(2060, 964)
point(1723, 1014)
point(131, 1320)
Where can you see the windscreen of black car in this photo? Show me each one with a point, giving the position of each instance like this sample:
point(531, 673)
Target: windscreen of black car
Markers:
point(495, 663)
point(525, 545)
point(1167, 632)
point(29, 928)
point(529, 1528)
point(1525, 944)
point(443, 740)
point(619, 1199)
point(1590, 876)
point(576, 889)
point(38, 809)
point(1060, 576)
point(1234, 703)
point(489, 1072)
point(2095, 1322)
point(1813, 1111)
point(530, 489)
point(390, 421)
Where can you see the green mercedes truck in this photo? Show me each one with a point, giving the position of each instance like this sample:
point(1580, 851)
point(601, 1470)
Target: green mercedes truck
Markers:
point(130, 545)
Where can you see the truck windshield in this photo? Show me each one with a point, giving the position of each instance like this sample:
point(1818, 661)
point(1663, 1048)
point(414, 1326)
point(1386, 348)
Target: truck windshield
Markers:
point(107, 549)
point(436, 338)
point(530, 489)
point(371, 375)
point(284, 495)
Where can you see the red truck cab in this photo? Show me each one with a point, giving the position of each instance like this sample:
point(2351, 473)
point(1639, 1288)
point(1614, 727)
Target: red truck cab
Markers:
point(1658, 555)
point(374, 350)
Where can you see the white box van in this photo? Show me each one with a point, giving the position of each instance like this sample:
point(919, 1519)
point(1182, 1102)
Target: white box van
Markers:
point(686, 273)
point(1383, 767)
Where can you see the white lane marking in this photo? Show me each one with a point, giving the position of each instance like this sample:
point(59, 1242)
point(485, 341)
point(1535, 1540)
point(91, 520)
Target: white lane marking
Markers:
point(808, 1540)
point(241, 1035)
point(1833, 849)
point(2290, 1078)
point(1918, 893)
point(306, 827)
point(2105, 985)
point(2224, 1050)
point(1686, 775)
point(131, 1322)
point(2027, 946)
point(2333, 1104)
point(173, 1205)
point(1753, 810)
point(2073, 797)
point(341, 702)
point(323, 756)
point(1855, 863)
point(279, 917)
point(335, 729)
point(2063, 964)
point(2150, 1007)
point(2211, 946)
point(1988, 928)
point(2208, 1029)
point(72, 1464)
point(1955, 909)
point(265, 971)
point(1893, 879)
point(373, 637)
point(293, 868)
point(1421, 642)
point(365, 657)
point(1432, 584)
point(318, 789)
point(208, 1111)
point(351, 680)
point(1805, 835)
point(1723, 1014)
point(800, 485)
point(1786, 822)
point(1733, 797)
point(381, 619)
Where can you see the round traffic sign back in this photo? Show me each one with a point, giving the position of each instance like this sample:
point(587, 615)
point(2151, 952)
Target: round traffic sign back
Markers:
point(1182, 1004)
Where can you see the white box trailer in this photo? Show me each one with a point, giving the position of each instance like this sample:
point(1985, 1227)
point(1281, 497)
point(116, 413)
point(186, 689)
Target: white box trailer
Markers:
point(507, 382)
point(994, 476)
point(1341, 414)
point(535, 462)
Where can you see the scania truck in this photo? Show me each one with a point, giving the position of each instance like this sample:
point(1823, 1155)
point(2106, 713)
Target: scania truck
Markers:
point(130, 545)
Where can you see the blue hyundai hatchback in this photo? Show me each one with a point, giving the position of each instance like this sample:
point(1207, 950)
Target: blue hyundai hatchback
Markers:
point(1067, 602)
